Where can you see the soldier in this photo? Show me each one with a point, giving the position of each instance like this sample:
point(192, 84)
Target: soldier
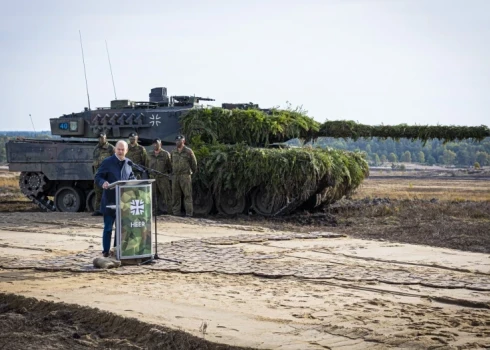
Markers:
point(184, 163)
point(103, 150)
point(159, 160)
point(137, 154)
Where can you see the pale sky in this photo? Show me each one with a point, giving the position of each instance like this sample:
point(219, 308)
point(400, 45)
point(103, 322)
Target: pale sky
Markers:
point(372, 61)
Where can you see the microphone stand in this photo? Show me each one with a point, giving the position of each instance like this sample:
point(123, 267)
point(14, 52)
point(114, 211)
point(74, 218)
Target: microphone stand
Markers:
point(153, 171)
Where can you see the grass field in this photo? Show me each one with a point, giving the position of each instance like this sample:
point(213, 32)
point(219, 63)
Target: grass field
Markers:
point(443, 189)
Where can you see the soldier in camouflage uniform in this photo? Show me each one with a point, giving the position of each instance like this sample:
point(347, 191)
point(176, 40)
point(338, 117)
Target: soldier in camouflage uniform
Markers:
point(184, 163)
point(103, 150)
point(159, 160)
point(136, 153)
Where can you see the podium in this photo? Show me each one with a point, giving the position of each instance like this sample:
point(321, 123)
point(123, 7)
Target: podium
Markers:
point(133, 219)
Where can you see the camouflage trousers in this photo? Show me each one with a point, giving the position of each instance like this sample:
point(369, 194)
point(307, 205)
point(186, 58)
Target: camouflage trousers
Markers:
point(182, 185)
point(98, 197)
point(162, 190)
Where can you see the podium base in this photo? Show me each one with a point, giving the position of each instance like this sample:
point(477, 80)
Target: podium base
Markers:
point(138, 261)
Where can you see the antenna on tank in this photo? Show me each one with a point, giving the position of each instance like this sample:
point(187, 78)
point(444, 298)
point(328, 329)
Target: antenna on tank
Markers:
point(110, 66)
point(84, 70)
point(32, 122)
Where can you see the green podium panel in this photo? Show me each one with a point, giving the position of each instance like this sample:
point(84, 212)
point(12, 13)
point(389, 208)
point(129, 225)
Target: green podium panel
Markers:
point(134, 219)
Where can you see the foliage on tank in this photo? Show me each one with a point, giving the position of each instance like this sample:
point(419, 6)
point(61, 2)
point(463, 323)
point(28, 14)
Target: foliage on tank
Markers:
point(288, 172)
point(252, 126)
point(256, 127)
point(351, 129)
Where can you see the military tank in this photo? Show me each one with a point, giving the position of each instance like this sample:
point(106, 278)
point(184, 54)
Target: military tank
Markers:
point(57, 174)
point(244, 160)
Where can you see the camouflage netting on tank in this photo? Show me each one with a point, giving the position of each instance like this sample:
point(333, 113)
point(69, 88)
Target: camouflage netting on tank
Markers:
point(256, 127)
point(294, 173)
point(355, 130)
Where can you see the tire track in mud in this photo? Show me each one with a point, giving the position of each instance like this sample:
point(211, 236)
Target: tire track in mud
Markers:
point(398, 262)
point(444, 300)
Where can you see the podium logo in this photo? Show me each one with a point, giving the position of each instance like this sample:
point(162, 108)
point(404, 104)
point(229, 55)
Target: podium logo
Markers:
point(137, 207)
point(138, 223)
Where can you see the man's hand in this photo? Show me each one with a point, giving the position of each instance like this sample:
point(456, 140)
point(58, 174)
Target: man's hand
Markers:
point(105, 185)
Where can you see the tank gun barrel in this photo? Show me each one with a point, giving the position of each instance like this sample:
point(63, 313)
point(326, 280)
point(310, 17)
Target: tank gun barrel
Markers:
point(351, 129)
point(237, 125)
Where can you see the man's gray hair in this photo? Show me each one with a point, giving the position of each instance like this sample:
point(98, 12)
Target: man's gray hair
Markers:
point(124, 143)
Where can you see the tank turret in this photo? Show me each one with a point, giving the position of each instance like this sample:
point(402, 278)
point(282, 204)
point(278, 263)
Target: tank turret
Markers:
point(156, 118)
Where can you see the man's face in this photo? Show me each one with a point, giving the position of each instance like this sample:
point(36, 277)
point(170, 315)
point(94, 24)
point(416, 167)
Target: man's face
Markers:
point(157, 145)
point(102, 140)
point(179, 143)
point(133, 140)
point(121, 151)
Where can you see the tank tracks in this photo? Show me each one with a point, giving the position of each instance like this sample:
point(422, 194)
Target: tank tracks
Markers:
point(43, 202)
point(289, 208)
point(33, 185)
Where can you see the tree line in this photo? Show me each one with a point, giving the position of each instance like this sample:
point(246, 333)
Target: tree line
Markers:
point(377, 151)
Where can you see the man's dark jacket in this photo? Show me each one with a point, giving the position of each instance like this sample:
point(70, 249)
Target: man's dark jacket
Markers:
point(110, 170)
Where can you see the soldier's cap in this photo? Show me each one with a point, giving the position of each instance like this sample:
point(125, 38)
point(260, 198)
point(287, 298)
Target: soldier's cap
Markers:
point(102, 134)
point(179, 137)
point(157, 140)
point(133, 134)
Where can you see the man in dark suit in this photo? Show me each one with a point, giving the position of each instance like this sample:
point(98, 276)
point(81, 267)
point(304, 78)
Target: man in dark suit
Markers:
point(112, 169)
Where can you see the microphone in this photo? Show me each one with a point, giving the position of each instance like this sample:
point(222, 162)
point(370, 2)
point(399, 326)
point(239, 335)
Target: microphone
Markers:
point(137, 166)
point(144, 169)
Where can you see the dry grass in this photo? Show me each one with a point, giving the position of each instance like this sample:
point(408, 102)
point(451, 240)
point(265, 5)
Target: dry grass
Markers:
point(445, 189)
point(9, 182)
point(458, 225)
point(10, 191)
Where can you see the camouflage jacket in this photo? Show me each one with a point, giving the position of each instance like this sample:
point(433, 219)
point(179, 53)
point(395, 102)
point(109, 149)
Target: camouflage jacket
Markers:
point(184, 162)
point(137, 154)
point(160, 162)
point(100, 153)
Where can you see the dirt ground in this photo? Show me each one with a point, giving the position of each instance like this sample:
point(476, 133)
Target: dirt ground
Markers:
point(29, 323)
point(251, 286)
point(374, 272)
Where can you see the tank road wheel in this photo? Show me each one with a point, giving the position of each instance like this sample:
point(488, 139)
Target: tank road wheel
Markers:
point(202, 202)
point(69, 199)
point(266, 204)
point(32, 183)
point(90, 202)
point(229, 204)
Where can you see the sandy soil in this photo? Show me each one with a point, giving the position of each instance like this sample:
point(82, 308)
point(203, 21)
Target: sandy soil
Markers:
point(255, 287)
